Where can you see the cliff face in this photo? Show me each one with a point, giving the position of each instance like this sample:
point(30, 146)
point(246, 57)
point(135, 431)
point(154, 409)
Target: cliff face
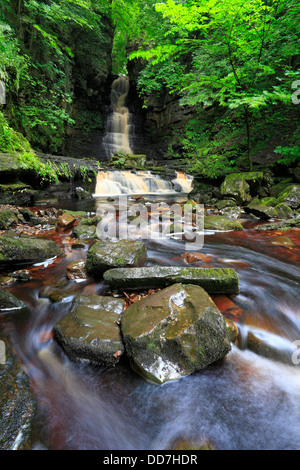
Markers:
point(92, 78)
point(156, 123)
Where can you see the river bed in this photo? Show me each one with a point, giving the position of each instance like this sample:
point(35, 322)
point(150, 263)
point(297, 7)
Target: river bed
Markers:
point(244, 402)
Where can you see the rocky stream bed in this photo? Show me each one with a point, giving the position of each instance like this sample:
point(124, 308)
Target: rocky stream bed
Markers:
point(166, 320)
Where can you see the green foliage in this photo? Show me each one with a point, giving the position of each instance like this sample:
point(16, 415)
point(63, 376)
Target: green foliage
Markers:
point(237, 54)
point(289, 155)
point(50, 53)
point(10, 140)
point(212, 166)
point(44, 171)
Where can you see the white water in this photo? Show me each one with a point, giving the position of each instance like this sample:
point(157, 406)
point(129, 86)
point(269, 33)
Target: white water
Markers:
point(112, 183)
point(119, 127)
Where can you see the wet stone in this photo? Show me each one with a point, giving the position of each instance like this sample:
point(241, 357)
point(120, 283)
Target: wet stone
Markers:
point(85, 232)
point(8, 302)
point(76, 271)
point(261, 211)
point(106, 254)
point(174, 332)
point(221, 223)
point(213, 280)
point(7, 219)
point(27, 250)
point(90, 331)
point(17, 404)
point(66, 221)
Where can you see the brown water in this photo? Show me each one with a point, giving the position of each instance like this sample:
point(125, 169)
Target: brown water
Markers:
point(242, 402)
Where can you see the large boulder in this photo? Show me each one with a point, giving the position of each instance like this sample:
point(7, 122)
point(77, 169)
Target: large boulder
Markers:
point(236, 186)
point(213, 280)
point(90, 331)
point(23, 251)
point(106, 254)
point(173, 333)
point(290, 196)
point(241, 186)
point(284, 211)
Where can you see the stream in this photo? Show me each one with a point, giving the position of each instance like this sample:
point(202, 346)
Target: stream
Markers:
point(244, 402)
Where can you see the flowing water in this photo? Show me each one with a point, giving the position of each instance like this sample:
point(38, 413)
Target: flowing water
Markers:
point(119, 127)
point(116, 183)
point(245, 401)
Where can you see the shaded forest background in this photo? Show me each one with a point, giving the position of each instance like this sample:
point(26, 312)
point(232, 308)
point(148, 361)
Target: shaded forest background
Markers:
point(214, 85)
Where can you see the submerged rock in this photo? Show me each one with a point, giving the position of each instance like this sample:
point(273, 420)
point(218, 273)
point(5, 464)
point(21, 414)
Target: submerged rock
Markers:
point(173, 333)
point(213, 280)
point(90, 330)
point(27, 250)
point(106, 254)
point(270, 346)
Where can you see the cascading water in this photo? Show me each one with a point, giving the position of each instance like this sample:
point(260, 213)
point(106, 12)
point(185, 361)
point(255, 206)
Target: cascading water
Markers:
point(119, 127)
point(115, 183)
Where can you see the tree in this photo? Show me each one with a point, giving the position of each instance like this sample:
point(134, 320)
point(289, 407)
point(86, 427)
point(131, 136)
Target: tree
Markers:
point(236, 53)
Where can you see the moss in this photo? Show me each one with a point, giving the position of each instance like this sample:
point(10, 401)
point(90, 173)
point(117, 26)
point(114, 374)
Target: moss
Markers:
point(213, 280)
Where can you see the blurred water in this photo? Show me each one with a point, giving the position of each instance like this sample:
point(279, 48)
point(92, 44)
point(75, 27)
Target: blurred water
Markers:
point(245, 401)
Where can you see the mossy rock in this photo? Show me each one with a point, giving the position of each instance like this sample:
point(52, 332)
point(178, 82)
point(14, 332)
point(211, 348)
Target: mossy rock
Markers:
point(173, 333)
point(85, 232)
point(90, 330)
point(261, 211)
point(19, 194)
point(90, 220)
point(284, 211)
point(290, 196)
point(7, 219)
point(106, 254)
point(225, 203)
point(282, 225)
point(76, 214)
point(213, 280)
point(27, 251)
point(128, 162)
point(222, 223)
point(268, 201)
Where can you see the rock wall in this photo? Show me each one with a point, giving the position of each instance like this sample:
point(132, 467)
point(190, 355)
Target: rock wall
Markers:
point(155, 124)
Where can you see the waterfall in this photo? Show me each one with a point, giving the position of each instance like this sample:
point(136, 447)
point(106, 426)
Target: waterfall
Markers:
point(119, 127)
point(141, 182)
